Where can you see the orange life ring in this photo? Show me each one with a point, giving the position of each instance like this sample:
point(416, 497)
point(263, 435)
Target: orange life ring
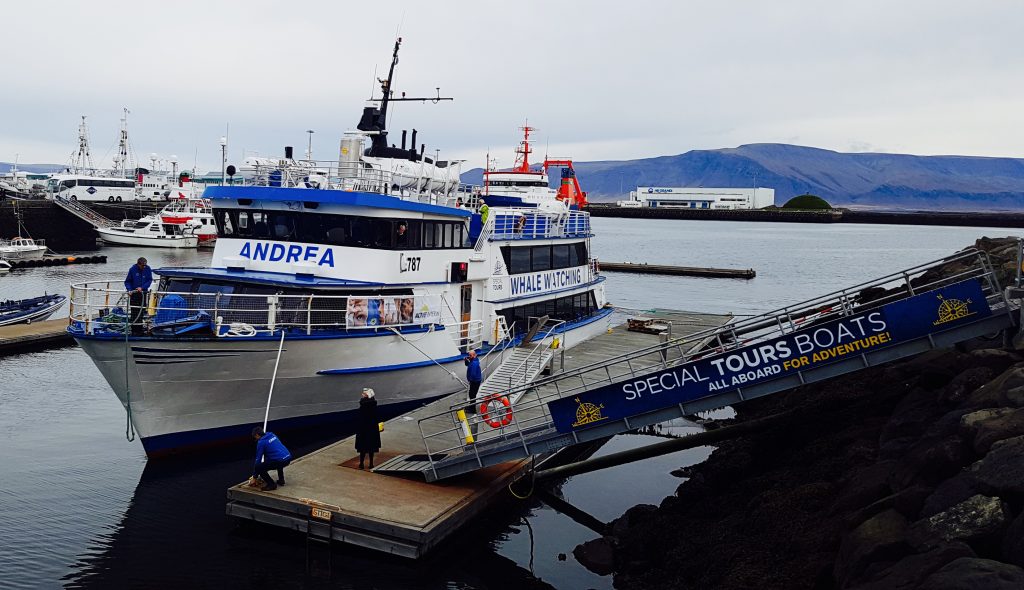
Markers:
point(496, 422)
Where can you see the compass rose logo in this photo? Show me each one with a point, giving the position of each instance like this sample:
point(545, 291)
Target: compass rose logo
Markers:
point(951, 310)
point(587, 413)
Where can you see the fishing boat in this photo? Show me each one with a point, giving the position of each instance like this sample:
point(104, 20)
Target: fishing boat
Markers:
point(22, 249)
point(194, 212)
point(26, 311)
point(4, 265)
point(149, 232)
point(377, 271)
point(528, 186)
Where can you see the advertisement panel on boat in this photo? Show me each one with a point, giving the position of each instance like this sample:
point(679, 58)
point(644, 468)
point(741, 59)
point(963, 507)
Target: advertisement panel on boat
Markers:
point(816, 345)
point(363, 312)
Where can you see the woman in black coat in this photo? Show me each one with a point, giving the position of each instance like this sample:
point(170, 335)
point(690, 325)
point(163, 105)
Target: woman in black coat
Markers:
point(368, 431)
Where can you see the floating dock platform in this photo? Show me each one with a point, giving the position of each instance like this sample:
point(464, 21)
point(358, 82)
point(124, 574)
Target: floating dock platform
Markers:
point(686, 271)
point(20, 337)
point(57, 261)
point(329, 498)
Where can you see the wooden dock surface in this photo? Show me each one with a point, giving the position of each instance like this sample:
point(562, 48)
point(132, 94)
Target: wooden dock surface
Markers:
point(403, 516)
point(18, 337)
point(687, 271)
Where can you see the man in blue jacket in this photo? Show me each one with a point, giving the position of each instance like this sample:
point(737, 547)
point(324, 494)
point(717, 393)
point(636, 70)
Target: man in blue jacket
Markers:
point(270, 454)
point(137, 283)
point(474, 375)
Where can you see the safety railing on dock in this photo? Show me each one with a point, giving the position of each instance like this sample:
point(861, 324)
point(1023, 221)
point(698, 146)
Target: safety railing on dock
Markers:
point(99, 308)
point(528, 419)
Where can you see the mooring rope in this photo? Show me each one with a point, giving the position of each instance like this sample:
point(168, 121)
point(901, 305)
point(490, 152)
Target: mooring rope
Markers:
point(129, 427)
point(273, 378)
point(413, 344)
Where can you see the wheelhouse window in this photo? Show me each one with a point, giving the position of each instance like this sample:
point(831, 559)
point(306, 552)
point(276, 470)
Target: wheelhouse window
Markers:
point(569, 308)
point(341, 230)
point(524, 259)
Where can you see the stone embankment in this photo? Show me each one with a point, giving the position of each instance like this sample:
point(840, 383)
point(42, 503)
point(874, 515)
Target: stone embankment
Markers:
point(906, 476)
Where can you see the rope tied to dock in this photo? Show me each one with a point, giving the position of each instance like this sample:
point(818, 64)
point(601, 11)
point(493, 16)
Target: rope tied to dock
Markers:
point(129, 427)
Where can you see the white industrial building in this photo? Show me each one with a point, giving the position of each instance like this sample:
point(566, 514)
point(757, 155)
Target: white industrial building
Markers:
point(700, 198)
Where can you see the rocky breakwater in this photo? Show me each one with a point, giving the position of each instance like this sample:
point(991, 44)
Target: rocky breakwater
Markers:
point(905, 476)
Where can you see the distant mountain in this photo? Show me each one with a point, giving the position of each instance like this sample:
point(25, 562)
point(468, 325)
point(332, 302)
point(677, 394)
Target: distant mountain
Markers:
point(889, 181)
point(5, 167)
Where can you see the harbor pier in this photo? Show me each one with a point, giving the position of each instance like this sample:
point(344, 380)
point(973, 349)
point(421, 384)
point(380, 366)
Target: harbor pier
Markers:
point(19, 338)
point(329, 498)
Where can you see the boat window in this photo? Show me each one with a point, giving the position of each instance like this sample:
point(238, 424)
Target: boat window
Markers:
point(260, 224)
point(520, 261)
point(560, 256)
point(568, 308)
point(282, 226)
point(541, 258)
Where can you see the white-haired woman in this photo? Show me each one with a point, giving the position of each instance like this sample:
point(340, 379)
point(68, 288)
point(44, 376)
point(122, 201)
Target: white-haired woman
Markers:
point(368, 432)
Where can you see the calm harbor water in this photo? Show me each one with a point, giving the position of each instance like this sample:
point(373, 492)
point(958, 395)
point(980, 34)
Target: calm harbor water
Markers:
point(81, 507)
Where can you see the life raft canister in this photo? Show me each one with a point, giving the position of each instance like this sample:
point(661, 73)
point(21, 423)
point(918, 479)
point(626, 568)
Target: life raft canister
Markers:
point(496, 422)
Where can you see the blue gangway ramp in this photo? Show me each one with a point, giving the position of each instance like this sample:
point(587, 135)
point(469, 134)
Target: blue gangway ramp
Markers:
point(929, 306)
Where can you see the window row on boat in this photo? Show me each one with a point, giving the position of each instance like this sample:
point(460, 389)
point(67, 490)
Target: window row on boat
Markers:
point(524, 259)
point(341, 230)
point(568, 308)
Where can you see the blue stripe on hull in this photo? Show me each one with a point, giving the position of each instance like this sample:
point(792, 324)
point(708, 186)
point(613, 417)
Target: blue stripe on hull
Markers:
point(505, 201)
point(194, 440)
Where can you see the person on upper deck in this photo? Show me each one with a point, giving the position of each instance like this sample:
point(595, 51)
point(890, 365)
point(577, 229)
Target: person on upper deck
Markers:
point(270, 454)
point(137, 283)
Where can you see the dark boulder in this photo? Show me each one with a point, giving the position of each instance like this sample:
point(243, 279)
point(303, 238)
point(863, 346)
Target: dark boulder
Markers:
point(908, 572)
point(972, 573)
point(930, 461)
point(950, 493)
point(1013, 542)
point(865, 486)
point(964, 384)
point(597, 555)
point(632, 518)
point(911, 417)
point(1006, 390)
point(1001, 471)
point(970, 421)
point(977, 519)
point(1007, 425)
point(996, 359)
point(907, 502)
point(880, 538)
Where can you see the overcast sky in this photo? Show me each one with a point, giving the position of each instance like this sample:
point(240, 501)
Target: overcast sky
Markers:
point(601, 80)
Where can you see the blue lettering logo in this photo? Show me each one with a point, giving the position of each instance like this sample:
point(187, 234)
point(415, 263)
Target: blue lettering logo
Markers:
point(292, 253)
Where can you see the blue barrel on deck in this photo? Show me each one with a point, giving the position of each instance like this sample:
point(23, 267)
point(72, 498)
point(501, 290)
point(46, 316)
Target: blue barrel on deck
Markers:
point(275, 178)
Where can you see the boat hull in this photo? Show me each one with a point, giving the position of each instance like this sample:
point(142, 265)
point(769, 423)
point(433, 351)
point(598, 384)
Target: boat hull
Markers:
point(189, 394)
point(23, 253)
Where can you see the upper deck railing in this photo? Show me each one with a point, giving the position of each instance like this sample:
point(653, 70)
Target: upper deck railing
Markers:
point(103, 308)
point(533, 223)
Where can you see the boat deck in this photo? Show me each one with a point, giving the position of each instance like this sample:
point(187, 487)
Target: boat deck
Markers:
point(20, 337)
point(328, 497)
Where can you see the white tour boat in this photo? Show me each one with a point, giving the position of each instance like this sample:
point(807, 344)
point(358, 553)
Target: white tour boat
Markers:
point(330, 278)
point(149, 232)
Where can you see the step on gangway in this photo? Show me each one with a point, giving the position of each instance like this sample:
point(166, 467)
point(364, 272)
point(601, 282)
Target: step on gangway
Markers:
point(925, 307)
point(84, 212)
point(518, 366)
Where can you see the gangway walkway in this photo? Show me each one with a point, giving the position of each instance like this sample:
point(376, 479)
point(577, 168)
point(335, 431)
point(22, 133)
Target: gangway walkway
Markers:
point(929, 306)
point(84, 212)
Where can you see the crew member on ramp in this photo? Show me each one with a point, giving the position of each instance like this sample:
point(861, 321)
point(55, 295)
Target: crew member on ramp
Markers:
point(270, 454)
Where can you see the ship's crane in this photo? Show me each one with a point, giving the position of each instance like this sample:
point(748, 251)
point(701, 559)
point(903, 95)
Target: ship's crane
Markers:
point(569, 190)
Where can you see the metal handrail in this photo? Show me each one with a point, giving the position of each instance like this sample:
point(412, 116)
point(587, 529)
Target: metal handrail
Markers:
point(92, 302)
point(837, 304)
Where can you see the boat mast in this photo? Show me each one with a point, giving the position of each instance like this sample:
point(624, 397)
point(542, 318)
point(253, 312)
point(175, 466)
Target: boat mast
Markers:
point(82, 160)
point(523, 151)
point(123, 161)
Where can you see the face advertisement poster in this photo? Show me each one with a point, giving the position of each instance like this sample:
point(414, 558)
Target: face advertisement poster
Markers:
point(369, 312)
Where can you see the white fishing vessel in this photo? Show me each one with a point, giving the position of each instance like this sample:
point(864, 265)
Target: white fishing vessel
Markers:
point(376, 274)
point(525, 186)
point(194, 213)
point(22, 249)
point(149, 232)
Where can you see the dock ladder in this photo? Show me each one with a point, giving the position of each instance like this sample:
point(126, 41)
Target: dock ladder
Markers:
point(84, 212)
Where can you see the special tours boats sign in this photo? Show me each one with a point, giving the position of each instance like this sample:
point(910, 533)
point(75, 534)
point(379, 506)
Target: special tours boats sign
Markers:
point(878, 328)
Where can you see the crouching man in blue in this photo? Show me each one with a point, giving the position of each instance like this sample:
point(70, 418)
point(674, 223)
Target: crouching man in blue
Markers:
point(270, 454)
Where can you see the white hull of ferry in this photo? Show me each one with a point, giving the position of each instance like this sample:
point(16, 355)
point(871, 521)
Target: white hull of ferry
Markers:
point(112, 236)
point(188, 394)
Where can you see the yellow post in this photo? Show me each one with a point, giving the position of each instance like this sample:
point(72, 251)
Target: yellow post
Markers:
point(467, 433)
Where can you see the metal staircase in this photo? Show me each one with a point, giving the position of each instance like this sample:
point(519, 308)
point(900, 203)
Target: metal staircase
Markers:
point(84, 213)
point(929, 306)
